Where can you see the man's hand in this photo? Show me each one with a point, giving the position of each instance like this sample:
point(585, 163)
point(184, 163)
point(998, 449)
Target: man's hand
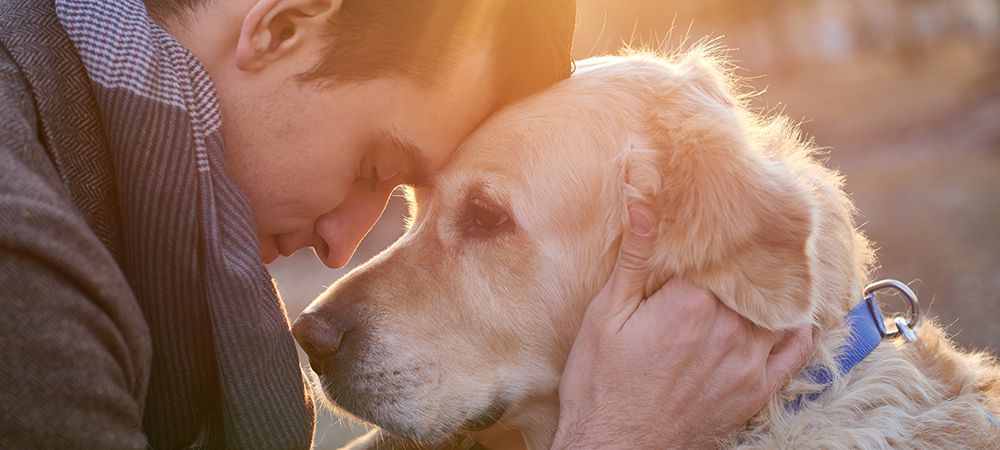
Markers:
point(678, 369)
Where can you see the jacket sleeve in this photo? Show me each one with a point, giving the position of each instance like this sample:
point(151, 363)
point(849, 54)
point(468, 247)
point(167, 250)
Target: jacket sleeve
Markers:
point(76, 351)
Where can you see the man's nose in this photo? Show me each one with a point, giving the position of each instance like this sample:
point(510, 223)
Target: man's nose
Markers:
point(321, 337)
point(342, 229)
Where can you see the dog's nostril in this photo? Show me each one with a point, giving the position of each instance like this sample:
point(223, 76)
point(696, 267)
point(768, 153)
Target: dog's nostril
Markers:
point(315, 351)
point(318, 337)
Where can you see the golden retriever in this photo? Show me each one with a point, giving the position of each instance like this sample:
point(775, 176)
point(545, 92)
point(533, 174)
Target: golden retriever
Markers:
point(465, 323)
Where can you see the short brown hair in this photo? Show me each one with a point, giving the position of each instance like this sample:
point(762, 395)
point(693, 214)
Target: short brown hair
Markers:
point(420, 40)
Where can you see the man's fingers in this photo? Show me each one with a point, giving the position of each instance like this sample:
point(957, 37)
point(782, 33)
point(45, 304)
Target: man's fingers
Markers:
point(768, 341)
point(789, 356)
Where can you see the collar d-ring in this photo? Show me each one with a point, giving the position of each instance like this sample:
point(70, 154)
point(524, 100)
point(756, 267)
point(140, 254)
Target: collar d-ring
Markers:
point(904, 327)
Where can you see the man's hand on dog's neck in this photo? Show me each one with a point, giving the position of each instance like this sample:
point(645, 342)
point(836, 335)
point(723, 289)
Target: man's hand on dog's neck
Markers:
point(705, 359)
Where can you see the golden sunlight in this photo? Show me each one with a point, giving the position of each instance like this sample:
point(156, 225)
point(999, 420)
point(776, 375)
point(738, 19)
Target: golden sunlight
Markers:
point(901, 95)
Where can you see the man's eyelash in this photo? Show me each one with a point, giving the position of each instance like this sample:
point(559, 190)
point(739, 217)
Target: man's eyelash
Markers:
point(373, 178)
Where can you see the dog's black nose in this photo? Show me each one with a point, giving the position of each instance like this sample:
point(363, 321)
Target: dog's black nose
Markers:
point(319, 336)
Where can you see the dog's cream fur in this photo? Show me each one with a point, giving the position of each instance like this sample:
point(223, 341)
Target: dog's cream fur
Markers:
point(462, 318)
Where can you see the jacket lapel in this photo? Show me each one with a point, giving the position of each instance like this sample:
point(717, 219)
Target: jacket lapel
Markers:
point(69, 126)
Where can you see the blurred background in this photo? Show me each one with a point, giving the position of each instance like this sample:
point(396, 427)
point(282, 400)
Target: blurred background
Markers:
point(903, 94)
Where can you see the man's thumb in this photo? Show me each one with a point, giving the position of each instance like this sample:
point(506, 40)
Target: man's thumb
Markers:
point(624, 290)
point(638, 243)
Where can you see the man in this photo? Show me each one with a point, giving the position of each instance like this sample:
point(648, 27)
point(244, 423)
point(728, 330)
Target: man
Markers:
point(151, 164)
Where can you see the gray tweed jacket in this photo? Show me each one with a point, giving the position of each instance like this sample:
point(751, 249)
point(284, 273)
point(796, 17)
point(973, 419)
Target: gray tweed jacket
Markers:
point(77, 350)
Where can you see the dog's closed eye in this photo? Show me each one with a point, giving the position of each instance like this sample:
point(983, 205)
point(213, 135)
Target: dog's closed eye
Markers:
point(484, 218)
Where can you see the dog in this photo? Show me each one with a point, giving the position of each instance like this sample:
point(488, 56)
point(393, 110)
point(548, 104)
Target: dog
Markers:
point(465, 323)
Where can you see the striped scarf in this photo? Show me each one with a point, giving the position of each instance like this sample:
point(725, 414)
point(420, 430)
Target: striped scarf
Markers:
point(224, 369)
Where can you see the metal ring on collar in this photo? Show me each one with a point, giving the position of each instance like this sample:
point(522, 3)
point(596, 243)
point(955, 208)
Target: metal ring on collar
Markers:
point(913, 319)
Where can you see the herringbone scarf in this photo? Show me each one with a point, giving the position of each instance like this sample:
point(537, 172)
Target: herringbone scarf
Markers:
point(224, 370)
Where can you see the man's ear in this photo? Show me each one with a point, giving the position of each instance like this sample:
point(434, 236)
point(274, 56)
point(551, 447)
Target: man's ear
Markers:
point(735, 219)
point(273, 29)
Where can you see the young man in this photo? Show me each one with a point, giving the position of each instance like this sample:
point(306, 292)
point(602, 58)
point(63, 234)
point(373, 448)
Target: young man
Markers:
point(150, 166)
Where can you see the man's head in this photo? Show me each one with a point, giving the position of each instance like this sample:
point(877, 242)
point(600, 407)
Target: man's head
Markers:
point(328, 105)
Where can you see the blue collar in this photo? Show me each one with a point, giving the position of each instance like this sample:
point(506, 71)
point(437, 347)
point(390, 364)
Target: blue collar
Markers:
point(867, 329)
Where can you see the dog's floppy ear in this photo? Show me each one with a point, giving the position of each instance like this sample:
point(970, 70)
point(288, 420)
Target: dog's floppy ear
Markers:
point(735, 219)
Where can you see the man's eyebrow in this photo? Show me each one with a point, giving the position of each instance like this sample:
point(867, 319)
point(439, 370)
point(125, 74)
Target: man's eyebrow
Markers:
point(415, 156)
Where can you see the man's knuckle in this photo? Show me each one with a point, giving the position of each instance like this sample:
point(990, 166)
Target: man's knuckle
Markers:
point(749, 376)
point(693, 305)
point(731, 334)
point(705, 296)
point(632, 257)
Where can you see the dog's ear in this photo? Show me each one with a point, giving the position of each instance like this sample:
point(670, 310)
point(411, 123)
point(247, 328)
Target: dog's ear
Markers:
point(735, 219)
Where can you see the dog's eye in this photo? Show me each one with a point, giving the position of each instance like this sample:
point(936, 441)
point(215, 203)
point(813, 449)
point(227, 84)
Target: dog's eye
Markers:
point(483, 217)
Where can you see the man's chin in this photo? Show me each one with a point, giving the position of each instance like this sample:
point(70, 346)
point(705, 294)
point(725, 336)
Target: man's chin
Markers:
point(268, 258)
point(268, 249)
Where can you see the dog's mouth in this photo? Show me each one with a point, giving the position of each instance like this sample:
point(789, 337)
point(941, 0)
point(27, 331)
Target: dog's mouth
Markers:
point(361, 404)
point(486, 419)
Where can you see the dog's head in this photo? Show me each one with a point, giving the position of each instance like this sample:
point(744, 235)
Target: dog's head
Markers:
point(467, 320)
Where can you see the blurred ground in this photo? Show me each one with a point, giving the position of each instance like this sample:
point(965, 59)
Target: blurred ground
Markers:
point(913, 122)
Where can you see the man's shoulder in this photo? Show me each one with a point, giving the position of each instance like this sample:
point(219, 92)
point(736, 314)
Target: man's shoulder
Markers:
point(32, 193)
point(23, 159)
point(42, 63)
point(30, 175)
point(39, 214)
point(40, 60)
point(22, 18)
point(39, 220)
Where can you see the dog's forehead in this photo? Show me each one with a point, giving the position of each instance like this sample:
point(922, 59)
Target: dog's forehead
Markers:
point(565, 127)
point(558, 147)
